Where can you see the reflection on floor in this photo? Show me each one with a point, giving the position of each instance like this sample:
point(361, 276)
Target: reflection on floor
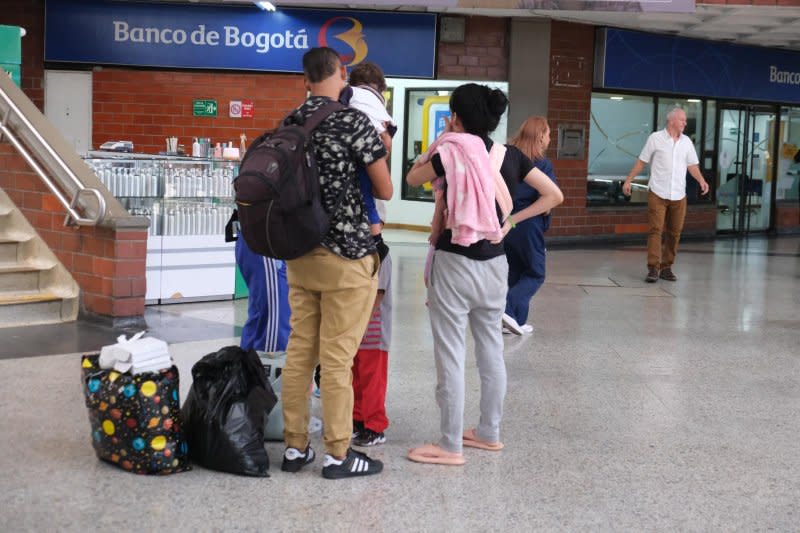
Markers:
point(632, 407)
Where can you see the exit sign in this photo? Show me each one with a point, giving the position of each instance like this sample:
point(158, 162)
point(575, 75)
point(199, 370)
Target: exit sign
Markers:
point(204, 108)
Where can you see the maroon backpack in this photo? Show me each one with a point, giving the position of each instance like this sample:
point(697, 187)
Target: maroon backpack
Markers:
point(277, 190)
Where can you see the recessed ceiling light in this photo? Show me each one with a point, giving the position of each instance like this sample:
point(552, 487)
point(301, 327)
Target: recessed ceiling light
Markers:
point(693, 100)
point(616, 97)
point(265, 6)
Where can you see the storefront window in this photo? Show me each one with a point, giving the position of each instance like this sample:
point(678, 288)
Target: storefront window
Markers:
point(788, 183)
point(425, 114)
point(619, 127)
point(426, 110)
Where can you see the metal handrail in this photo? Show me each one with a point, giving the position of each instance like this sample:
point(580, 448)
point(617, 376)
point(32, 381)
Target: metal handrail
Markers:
point(73, 217)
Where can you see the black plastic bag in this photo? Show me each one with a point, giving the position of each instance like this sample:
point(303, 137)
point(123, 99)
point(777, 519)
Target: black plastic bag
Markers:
point(225, 412)
point(135, 420)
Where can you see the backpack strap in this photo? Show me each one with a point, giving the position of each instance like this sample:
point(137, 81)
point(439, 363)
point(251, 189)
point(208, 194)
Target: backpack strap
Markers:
point(311, 123)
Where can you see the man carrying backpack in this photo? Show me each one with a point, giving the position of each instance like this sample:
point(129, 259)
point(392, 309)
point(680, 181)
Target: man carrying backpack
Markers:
point(332, 287)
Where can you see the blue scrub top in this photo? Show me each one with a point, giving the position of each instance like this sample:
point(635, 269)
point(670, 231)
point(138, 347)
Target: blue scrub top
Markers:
point(525, 195)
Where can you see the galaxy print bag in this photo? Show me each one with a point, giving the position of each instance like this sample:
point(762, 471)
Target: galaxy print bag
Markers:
point(135, 419)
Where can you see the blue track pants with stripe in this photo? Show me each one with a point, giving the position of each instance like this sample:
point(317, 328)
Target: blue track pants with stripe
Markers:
point(267, 327)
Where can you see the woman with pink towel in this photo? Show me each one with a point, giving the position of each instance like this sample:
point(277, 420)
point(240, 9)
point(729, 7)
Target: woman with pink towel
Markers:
point(468, 276)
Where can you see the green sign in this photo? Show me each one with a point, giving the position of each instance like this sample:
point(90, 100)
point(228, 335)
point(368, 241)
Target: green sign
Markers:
point(10, 44)
point(204, 108)
point(13, 71)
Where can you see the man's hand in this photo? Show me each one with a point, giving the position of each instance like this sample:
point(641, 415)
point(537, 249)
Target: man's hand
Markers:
point(387, 142)
point(694, 170)
point(638, 166)
point(626, 187)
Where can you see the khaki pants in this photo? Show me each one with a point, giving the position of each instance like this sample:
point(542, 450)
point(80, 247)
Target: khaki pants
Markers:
point(331, 300)
point(664, 215)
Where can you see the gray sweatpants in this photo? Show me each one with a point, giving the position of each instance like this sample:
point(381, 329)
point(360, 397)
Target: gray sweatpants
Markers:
point(462, 290)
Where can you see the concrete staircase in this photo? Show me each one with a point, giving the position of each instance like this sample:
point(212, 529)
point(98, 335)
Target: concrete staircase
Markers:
point(35, 288)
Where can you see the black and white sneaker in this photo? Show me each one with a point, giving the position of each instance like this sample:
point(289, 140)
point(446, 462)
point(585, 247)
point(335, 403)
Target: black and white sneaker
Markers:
point(294, 459)
point(367, 437)
point(353, 465)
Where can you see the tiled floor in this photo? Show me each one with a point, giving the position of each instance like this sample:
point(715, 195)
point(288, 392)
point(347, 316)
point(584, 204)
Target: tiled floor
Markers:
point(673, 406)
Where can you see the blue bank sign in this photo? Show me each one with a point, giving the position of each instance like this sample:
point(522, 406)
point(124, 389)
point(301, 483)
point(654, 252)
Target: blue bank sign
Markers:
point(659, 63)
point(236, 38)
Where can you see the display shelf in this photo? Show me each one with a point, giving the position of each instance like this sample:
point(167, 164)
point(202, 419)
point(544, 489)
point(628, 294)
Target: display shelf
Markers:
point(188, 201)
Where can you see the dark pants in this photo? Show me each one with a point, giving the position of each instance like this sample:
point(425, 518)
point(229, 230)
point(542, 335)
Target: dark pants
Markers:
point(525, 252)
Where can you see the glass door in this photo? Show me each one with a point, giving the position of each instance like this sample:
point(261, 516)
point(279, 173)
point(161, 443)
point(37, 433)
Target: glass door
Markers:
point(745, 167)
point(788, 178)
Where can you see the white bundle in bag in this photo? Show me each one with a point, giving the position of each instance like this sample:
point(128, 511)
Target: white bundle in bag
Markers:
point(138, 354)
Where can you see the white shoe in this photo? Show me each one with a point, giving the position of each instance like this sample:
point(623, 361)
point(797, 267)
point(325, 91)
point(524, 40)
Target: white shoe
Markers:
point(527, 329)
point(512, 325)
point(506, 331)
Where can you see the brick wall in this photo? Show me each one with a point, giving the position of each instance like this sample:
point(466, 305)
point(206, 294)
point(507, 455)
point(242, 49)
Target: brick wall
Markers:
point(482, 56)
point(30, 15)
point(108, 265)
point(570, 92)
point(147, 106)
point(787, 217)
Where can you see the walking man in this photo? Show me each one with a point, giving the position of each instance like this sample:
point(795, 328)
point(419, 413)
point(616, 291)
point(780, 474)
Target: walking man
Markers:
point(670, 154)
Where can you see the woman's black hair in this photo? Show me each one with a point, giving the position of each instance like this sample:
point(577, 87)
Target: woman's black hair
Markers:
point(478, 107)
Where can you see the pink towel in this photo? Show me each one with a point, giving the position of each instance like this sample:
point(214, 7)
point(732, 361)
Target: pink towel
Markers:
point(474, 185)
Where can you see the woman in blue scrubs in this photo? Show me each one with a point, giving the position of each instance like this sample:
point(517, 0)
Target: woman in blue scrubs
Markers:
point(524, 245)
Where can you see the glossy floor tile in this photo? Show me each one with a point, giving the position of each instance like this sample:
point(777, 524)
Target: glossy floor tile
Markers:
point(632, 407)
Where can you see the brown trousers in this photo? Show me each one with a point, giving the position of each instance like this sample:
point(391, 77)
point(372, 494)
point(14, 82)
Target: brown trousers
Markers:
point(331, 300)
point(664, 215)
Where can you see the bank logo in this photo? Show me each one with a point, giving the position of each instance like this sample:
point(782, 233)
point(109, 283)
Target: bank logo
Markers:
point(352, 37)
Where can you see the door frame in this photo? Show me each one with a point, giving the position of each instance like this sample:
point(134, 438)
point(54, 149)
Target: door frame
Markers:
point(741, 224)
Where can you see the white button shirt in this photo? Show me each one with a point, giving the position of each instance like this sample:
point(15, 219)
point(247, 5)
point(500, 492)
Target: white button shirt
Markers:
point(668, 160)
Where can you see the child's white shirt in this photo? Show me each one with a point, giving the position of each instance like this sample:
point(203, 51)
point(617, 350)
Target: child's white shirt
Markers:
point(369, 102)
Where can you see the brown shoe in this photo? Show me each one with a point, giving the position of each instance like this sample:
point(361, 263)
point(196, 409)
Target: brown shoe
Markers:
point(668, 275)
point(652, 275)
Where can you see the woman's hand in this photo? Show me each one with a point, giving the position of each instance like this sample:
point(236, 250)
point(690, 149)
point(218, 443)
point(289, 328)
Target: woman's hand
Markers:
point(448, 124)
point(505, 229)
